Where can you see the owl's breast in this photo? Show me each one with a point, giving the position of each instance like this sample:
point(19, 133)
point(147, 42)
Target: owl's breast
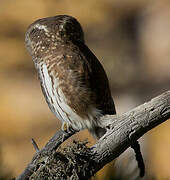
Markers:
point(57, 101)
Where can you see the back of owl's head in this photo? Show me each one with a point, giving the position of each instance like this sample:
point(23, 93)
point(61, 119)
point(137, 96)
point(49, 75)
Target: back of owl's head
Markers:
point(53, 30)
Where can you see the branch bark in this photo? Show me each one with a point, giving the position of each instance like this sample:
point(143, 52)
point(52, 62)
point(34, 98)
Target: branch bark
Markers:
point(80, 162)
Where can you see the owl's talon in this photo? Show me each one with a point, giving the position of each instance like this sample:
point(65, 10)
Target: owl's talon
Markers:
point(67, 128)
point(63, 137)
point(64, 127)
point(72, 130)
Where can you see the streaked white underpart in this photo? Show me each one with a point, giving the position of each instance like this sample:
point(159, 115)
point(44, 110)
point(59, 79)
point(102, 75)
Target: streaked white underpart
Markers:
point(58, 103)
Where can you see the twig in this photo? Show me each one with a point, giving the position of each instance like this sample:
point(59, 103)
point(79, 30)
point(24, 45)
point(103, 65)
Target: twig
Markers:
point(35, 145)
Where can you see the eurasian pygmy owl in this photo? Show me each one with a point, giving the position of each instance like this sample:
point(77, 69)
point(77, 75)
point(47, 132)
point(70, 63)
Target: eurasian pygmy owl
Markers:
point(73, 81)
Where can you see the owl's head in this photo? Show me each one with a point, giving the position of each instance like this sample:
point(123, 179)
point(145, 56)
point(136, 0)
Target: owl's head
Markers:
point(50, 32)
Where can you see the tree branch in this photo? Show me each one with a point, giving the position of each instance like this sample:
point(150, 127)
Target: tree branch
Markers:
point(122, 131)
point(51, 146)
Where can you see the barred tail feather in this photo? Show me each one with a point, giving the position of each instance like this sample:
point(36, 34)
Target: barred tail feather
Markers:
point(139, 158)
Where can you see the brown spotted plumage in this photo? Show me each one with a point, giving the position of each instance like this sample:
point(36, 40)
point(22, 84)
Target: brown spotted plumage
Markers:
point(73, 81)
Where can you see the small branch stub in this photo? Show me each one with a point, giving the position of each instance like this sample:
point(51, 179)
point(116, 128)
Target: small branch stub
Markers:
point(35, 145)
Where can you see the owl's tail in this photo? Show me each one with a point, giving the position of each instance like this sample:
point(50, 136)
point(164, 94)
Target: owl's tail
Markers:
point(139, 158)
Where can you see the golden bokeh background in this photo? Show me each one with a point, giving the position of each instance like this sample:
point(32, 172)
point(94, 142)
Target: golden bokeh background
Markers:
point(131, 39)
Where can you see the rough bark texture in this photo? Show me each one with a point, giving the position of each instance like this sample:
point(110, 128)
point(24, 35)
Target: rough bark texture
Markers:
point(80, 162)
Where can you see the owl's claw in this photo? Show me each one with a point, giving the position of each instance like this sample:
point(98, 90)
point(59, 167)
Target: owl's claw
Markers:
point(64, 127)
point(68, 129)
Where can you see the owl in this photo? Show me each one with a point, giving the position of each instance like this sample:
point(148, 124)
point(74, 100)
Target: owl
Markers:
point(73, 81)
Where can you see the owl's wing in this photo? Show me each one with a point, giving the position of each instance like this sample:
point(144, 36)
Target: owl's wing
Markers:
point(98, 81)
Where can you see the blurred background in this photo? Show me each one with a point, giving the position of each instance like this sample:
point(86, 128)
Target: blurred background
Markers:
point(131, 39)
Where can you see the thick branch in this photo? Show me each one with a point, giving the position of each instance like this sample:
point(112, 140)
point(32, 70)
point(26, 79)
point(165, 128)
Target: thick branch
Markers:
point(129, 127)
point(122, 131)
